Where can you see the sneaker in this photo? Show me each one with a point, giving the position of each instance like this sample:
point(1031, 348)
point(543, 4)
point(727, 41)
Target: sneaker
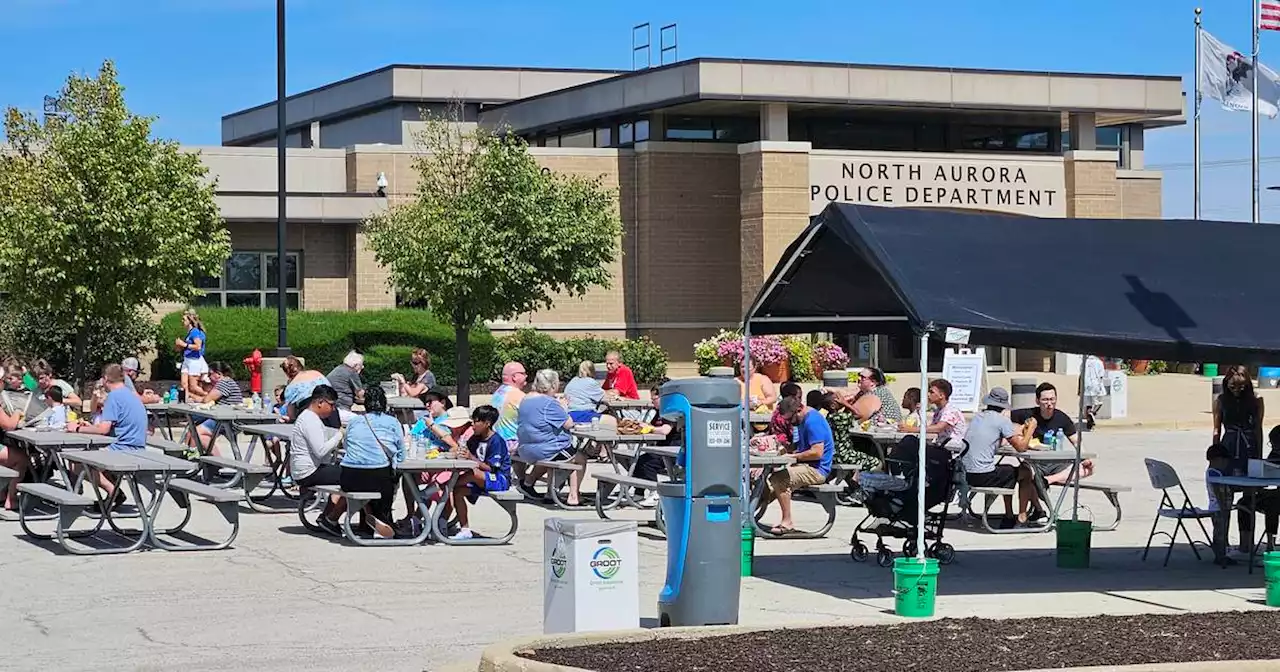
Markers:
point(463, 533)
point(329, 526)
point(529, 491)
point(650, 499)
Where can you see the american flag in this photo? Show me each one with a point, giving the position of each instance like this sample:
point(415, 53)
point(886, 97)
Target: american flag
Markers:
point(1269, 15)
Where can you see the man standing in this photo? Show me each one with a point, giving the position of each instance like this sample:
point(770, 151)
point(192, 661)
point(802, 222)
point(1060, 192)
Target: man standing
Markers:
point(124, 417)
point(345, 379)
point(814, 454)
point(507, 400)
point(620, 380)
point(1048, 421)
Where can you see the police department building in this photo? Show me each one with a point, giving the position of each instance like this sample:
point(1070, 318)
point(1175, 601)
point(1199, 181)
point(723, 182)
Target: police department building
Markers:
point(717, 163)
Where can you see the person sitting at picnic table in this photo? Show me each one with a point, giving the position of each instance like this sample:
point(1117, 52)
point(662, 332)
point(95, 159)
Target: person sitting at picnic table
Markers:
point(11, 457)
point(814, 456)
point(192, 346)
point(125, 418)
point(225, 392)
point(374, 444)
point(302, 381)
point(507, 399)
point(55, 417)
point(620, 381)
point(1049, 419)
point(492, 474)
point(648, 465)
point(988, 430)
point(857, 451)
point(584, 394)
point(763, 395)
point(872, 400)
point(423, 378)
point(345, 380)
point(311, 453)
point(910, 410)
point(16, 376)
point(131, 365)
point(45, 377)
point(97, 401)
point(544, 435)
point(947, 422)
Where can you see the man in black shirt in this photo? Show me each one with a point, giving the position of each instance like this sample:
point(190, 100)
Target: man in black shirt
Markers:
point(1048, 421)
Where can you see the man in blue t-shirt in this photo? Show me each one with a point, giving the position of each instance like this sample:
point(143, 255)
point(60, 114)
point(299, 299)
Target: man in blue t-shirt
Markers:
point(124, 417)
point(813, 455)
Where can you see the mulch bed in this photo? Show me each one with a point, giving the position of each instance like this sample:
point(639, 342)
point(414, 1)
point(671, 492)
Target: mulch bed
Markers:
point(950, 645)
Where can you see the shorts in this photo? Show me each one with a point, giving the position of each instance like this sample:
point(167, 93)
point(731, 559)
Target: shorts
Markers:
point(325, 474)
point(493, 482)
point(795, 477)
point(194, 366)
point(583, 417)
point(208, 425)
point(1003, 476)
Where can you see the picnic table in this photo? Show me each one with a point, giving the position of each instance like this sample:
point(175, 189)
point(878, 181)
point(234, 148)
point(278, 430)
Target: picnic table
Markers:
point(277, 462)
point(620, 407)
point(1042, 492)
point(162, 413)
point(139, 471)
point(404, 408)
point(226, 418)
point(608, 440)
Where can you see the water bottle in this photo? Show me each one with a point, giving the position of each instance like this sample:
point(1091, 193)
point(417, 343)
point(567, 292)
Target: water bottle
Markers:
point(257, 401)
point(173, 395)
point(1049, 438)
point(1060, 440)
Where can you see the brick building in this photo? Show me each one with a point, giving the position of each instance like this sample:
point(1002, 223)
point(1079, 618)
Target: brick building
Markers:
point(717, 163)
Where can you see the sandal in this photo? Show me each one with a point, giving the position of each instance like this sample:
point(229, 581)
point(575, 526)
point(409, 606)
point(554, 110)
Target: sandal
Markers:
point(781, 531)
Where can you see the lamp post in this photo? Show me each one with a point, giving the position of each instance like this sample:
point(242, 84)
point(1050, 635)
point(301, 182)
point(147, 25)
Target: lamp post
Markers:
point(282, 274)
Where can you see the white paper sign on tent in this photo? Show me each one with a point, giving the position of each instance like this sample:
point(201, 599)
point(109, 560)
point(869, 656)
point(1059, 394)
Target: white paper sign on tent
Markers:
point(966, 370)
point(957, 336)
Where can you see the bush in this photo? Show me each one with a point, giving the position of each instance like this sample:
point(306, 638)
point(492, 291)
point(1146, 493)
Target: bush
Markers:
point(386, 337)
point(537, 350)
point(35, 334)
point(801, 356)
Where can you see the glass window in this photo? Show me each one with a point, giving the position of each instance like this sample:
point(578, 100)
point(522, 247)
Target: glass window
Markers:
point(690, 128)
point(1004, 138)
point(580, 139)
point(552, 141)
point(249, 281)
point(604, 137)
point(626, 134)
point(642, 130)
point(1108, 137)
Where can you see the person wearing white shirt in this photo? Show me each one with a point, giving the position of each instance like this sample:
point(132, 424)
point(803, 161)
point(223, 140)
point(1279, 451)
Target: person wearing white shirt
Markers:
point(311, 448)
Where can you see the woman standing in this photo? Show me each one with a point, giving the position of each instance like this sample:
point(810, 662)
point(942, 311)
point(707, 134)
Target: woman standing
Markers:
point(423, 378)
point(192, 347)
point(374, 443)
point(1237, 425)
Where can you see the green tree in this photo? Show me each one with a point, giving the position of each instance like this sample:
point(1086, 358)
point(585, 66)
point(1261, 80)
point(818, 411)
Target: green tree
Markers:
point(489, 235)
point(97, 218)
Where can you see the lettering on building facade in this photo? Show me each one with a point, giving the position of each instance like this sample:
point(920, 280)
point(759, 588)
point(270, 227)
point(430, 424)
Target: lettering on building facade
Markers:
point(1021, 186)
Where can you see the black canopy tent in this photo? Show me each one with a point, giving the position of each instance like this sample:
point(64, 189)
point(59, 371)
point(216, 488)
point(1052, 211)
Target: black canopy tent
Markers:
point(1164, 289)
point(1160, 289)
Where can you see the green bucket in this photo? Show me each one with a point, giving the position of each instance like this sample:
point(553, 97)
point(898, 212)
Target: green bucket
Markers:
point(748, 549)
point(1074, 541)
point(1271, 566)
point(1210, 370)
point(915, 585)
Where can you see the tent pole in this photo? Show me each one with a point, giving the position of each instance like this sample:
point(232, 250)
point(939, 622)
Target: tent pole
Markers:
point(924, 437)
point(745, 426)
point(1075, 495)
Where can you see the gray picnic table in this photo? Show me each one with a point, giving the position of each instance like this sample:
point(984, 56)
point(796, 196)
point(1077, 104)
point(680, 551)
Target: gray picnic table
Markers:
point(767, 462)
point(276, 461)
point(409, 470)
point(227, 420)
point(1034, 456)
point(162, 413)
point(640, 409)
point(139, 470)
point(50, 444)
point(608, 440)
point(404, 408)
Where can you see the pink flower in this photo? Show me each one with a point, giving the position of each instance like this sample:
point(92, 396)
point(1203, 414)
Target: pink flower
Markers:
point(829, 356)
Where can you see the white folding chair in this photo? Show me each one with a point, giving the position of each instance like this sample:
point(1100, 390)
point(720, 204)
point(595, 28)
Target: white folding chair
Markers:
point(1164, 478)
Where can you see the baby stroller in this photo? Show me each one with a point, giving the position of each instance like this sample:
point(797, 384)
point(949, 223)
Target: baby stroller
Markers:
point(891, 499)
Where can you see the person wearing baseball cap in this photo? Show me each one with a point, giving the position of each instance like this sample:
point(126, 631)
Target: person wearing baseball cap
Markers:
point(987, 431)
point(131, 367)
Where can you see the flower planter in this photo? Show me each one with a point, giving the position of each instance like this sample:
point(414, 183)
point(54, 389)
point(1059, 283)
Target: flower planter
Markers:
point(778, 373)
point(1140, 366)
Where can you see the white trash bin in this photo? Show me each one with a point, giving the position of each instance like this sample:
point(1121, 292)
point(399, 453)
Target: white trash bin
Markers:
point(590, 578)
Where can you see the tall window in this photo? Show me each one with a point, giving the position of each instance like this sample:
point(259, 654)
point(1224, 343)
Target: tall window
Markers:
point(249, 281)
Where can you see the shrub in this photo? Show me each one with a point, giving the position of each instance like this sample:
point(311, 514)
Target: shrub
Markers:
point(706, 353)
point(800, 351)
point(537, 350)
point(322, 338)
point(35, 334)
point(829, 356)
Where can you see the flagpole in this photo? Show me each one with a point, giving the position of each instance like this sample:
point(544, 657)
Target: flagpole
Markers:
point(1196, 150)
point(1257, 21)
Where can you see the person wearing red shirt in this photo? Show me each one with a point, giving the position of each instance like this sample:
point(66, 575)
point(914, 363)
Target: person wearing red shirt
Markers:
point(620, 380)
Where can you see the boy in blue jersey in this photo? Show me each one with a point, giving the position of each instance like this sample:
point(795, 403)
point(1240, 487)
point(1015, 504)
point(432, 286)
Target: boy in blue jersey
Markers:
point(494, 471)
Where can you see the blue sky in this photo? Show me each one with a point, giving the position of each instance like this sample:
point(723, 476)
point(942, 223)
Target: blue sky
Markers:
point(188, 62)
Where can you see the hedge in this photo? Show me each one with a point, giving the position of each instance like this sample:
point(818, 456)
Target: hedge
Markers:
point(536, 350)
point(386, 337)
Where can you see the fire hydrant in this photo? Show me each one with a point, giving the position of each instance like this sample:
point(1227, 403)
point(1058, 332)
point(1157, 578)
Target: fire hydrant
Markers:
point(254, 364)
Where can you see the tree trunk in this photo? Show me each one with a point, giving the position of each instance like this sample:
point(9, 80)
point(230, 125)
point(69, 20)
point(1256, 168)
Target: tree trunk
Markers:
point(462, 346)
point(78, 357)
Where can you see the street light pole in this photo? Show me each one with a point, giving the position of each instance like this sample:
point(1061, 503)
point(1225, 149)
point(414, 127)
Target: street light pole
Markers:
point(282, 307)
